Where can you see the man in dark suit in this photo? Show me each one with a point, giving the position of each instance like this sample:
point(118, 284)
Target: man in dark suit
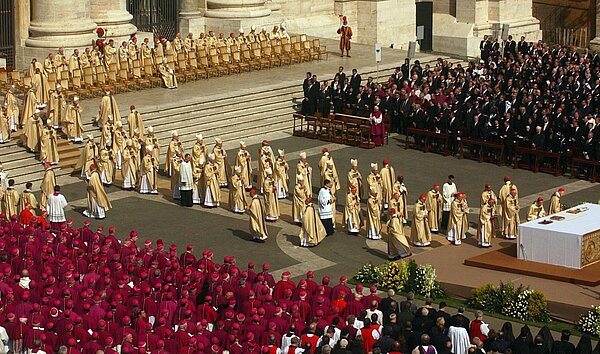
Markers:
point(522, 46)
point(484, 47)
point(508, 138)
point(510, 47)
point(459, 320)
point(355, 80)
point(341, 75)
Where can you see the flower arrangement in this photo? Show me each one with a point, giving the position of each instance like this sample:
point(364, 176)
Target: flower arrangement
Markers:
point(394, 275)
point(402, 276)
point(521, 303)
point(368, 274)
point(589, 322)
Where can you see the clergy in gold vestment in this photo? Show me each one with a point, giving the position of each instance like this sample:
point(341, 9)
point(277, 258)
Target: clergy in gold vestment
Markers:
point(108, 107)
point(152, 140)
point(146, 53)
point(29, 106)
point(352, 212)
point(57, 107)
point(536, 210)
point(149, 172)
point(300, 196)
point(305, 169)
point(10, 200)
point(488, 194)
point(271, 201)
point(374, 182)
point(40, 82)
point(97, 200)
point(281, 175)
point(221, 160)
point(168, 75)
point(175, 174)
point(312, 231)
point(354, 178)
point(118, 144)
point(502, 195)
point(487, 219)
point(27, 197)
point(174, 148)
point(374, 215)
point(129, 170)
point(5, 132)
point(243, 160)
point(323, 165)
point(458, 224)
point(47, 186)
point(212, 193)
point(555, 206)
point(433, 203)
point(12, 108)
point(387, 182)
point(199, 151)
point(106, 166)
point(510, 214)
point(48, 145)
point(107, 133)
point(330, 174)
point(32, 131)
point(237, 197)
point(134, 121)
point(72, 125)
point(398, 246)
point(257, 213)
point(420, 233)
point(88, 153)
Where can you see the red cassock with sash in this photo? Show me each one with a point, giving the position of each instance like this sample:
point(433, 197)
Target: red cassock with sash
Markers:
point(377, 128)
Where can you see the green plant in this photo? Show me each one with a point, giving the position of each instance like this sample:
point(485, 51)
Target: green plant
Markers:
point(368, 274)
point(520, 303)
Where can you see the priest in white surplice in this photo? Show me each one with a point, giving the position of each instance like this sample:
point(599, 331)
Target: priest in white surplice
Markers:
point(186, 181)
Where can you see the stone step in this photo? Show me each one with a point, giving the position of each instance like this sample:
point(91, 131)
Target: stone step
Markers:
point(212, 102)
point(221, 113)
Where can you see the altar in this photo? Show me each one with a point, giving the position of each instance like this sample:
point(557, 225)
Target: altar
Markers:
point(570, 238)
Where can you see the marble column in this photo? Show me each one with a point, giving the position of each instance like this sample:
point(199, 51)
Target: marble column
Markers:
point(190, 16)
point(236, 9)
point(65, 24)
point(232, 15)
point(112, 15)
point(595, 42)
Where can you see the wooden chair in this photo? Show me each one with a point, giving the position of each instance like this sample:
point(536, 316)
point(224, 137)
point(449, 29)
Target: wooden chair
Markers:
point(114, 82)
point(80, 87)
point(150, 74)
point(215, 62)
point(267, 54)
point(128, 82)
point(210, 71)
point(283, 59)
point(318, 49)
point(262, 62)
point(140, 79)
point(200, 72)
point(237, 59)
point(293, 40)
point(303, 38)
point(299, 52)
point(285, 40)
point(249, 60)
point(288, 52)
point(306, 49)
point(227, 62)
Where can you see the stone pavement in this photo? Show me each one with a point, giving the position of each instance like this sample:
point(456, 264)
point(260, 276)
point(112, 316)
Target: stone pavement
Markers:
point(226, 233)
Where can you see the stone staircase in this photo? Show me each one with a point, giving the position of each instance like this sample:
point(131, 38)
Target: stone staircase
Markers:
point(233, 116)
